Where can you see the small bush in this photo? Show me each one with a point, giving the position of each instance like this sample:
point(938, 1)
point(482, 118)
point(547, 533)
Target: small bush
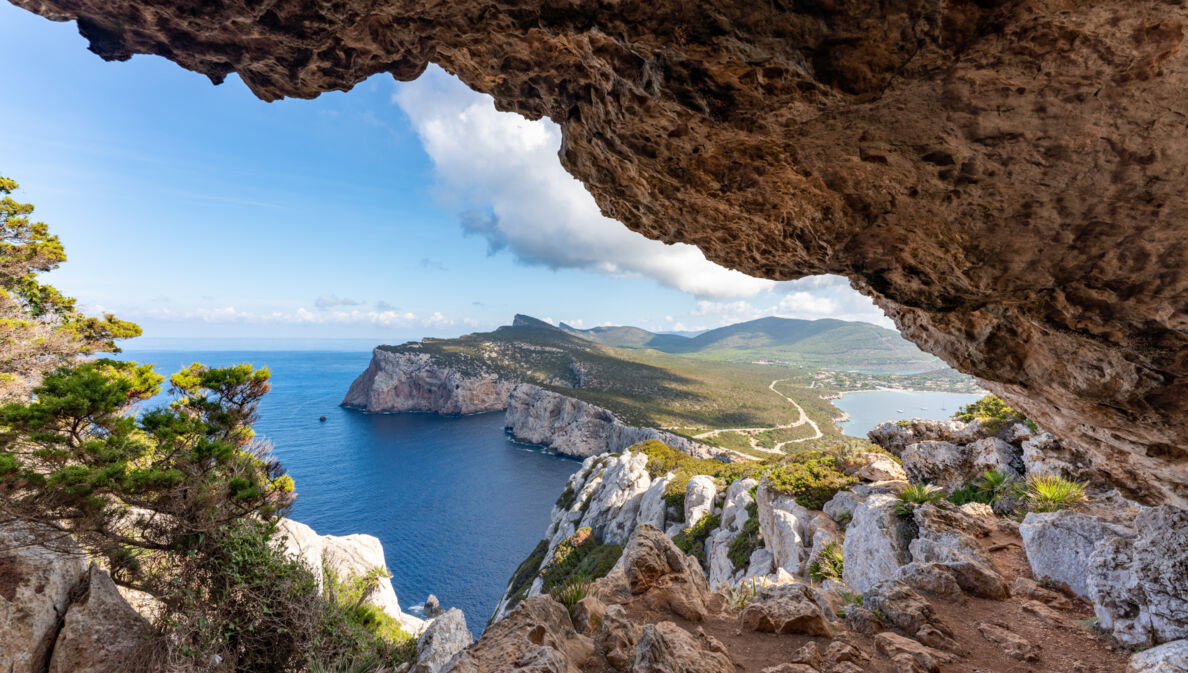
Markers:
point(812, 479)
point(1049, 493)
point(571, 592)
point(828, 565)
point(993, 414)
point(903, 422)
point(747, 541)
point(739, 597)
point(916, 495)
point(844, 519)
point(567, 498)
point(692, 540)
point(579, 558)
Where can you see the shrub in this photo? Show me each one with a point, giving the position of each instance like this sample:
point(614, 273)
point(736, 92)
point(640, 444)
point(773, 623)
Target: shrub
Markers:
point(579, 558)
point(1049, 493)
point(663, 459)
point(989, 488)
point(903, 422)
point(747, 541)
point(692, 540)
point(571, 592)
point(739, 596)
point(567, 497)
point(993, 414)
point(811, 478)
point(828, 565)
point(916, 495)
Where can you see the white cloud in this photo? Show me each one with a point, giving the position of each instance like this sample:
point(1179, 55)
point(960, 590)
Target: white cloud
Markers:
point(502, 169)
point(301, 316)
point(330, 301)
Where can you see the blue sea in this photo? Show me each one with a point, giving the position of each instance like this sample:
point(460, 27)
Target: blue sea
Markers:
point(456, 504)
point(870, 408)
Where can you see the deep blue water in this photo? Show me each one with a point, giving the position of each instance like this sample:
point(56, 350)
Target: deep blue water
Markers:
point(870, 408)
point(456, 504)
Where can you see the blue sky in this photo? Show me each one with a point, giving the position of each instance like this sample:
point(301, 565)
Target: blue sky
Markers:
point(393, 211)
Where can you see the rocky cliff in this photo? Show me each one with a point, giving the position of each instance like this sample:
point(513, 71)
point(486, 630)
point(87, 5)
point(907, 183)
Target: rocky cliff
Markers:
point(399, 381)
point(576, 428)
point(414, 381)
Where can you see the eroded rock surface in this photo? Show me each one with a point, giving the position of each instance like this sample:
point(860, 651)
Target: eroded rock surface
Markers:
point(1005, 179)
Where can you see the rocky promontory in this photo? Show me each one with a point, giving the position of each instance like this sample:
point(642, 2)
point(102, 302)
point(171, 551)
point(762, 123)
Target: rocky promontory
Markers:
point(404, 379)
point(400, 381)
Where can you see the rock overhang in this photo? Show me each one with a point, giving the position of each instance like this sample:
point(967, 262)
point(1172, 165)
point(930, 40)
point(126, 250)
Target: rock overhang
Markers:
point(1006, 179)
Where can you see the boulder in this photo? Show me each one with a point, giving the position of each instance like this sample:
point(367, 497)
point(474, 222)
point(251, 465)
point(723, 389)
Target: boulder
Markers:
point(782, 524)
point(100, 630)
point(667, 648)
point(971, 575)
point(699, 498)
point(1166, 658)
point(738, 498)
point(786, 608)
point(897, 647)
point(1011, 644)
point(931, 578)
point(588, 614)
point(875, 543)
point(1044, 454)
point(617, 638)
point(895, 437)
point(717, 552)
point(761, 564)
point(900, 605)
point(991, 453)
point(37, 584)
point(614, 503)
point(1139, 585)
point(880, 467)
point(841, 506)
point(1059, 545)
point(445, 637)
point(941, 463)
point(652, 507)
point(664, 575)
point(536, 636)
point(1025, 587)
point(432, 607)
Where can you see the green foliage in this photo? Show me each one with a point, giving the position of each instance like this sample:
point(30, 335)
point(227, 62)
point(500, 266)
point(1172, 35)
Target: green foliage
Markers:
point(663, 459)
point(580, 557)
point(828, 564)
point(916, 495)
point(747, 541)
point(692, 540)
point(526, 572)
point(739, 596)
point(567, 497)
point(1049, 493)
point(571, 592)
point(993, 414)
point(989, 488)
point(736, 441)
point(903, 422)
point(844, 519)
point(353, 629)
point(851, 598)
point(40, 328)
point(135, 490)
point(812, 478)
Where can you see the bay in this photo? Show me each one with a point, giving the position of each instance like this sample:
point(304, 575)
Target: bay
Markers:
point(869, 408)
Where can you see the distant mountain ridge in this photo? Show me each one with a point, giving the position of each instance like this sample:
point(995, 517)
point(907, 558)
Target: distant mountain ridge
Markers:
point(827, 342)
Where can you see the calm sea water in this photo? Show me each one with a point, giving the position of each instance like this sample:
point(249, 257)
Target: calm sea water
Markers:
point(869, 408)
point(456, 504)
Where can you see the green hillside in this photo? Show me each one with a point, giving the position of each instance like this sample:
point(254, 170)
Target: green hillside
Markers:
point(826, 344)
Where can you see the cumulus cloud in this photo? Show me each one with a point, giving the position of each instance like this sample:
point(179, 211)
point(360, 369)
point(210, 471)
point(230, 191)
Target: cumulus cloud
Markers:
point(330, 301)
point(806, 299)
point(503, 171)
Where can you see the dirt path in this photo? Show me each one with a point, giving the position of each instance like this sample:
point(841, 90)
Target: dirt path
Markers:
point(752, 433)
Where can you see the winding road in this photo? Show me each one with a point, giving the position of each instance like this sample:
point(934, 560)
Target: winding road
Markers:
point(752, 432)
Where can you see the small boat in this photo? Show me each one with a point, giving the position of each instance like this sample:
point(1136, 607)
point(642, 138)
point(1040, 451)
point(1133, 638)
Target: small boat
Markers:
point(899, 411)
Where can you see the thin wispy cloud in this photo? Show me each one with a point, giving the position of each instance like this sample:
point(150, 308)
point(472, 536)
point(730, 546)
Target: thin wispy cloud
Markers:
point(330, 301)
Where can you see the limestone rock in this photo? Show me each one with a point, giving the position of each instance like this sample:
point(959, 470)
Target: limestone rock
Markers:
point(881, 468)
point(941, 463)
point(617, 638)
point(36, 587)
point(781, 522)
point(588, 614)
point(1139, 586)
point(895, 437)
point(536, 636)
point(738, 498)
point(667, 648)
point(667, 577)
point(717, 552)
point(445, 637)
point(1059, 545)
point(432, 607)
point(699, 498)
point(932, 578)
point(786, 608)
point(1029, 588)
point(100, 630)
point(790, 668)
point(905, 609)
point(409, 380)
point(1166, 658)
point(577, 428)
point(893, 645)
point(874, 547)
point(993, 453)
point(1044, 454)
point(842, 505)
point(652, 508)
point(1013, 645)
point(612, 508)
